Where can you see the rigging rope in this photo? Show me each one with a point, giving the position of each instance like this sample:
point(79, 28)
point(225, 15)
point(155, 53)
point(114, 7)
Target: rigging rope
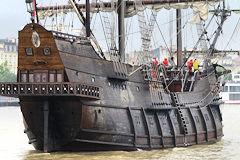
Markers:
point(236, 29)
point(94, 22)
point(104, 33)
point(126, 35)
point(162, 36)
point(195, 47)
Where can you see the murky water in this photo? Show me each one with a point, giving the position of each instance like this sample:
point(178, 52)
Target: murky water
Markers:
point(14, 143)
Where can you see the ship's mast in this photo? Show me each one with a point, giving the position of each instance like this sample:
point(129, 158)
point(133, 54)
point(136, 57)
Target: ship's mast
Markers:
point(121, 30)
point(179, 37)
point(87, 18)
point(120, 6)
point(84, 21)
point(224, 14)
point(36, 12)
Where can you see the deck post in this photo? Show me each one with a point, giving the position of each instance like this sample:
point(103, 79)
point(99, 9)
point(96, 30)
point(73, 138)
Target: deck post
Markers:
point(45, 125)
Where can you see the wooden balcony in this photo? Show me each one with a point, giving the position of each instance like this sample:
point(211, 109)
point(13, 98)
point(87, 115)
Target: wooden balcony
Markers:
point(50, 89)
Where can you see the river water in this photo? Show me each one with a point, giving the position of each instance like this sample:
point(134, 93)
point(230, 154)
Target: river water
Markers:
point(14, 143)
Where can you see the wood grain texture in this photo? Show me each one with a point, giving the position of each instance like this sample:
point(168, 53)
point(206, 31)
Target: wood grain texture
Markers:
point(38, 61)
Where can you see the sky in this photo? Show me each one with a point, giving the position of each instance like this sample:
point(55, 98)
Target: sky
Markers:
point(13, 17)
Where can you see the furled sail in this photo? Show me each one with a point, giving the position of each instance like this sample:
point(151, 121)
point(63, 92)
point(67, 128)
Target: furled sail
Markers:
point(201, 11)
point(200, 7)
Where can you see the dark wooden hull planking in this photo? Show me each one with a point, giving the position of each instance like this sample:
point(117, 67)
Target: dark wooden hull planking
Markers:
point(74, 126)
point(125, 115)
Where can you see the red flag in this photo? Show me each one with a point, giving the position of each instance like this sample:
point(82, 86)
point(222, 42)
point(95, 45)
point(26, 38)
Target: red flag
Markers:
point(34, 13)
point(156, 62)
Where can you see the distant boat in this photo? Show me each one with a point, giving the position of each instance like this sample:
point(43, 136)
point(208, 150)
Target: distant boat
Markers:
point(231, 91)
point(8, 101)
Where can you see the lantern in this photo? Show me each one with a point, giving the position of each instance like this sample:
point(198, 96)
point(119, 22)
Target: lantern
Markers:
point(30, 8)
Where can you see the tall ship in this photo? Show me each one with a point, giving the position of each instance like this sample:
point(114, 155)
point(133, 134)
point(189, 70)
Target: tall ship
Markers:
point(75, 98)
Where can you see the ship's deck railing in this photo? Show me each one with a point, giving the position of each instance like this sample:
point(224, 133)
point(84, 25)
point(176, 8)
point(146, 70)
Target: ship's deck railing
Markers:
point(50, 89)
point(69, 37)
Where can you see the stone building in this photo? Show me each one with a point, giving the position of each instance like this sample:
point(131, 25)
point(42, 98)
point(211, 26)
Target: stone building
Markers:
point(9, 53)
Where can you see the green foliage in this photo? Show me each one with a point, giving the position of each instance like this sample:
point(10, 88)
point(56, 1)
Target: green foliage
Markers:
point(219, 69)
point(229, 77)
point(6, 75)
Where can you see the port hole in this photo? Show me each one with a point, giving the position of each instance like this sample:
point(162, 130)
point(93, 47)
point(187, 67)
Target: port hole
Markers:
point(93, 79)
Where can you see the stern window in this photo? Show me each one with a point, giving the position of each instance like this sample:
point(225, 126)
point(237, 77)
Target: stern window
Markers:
point(37, 77)
point(52, 77)
point(44, 77)
point(59, 77)
point(47, 51)
point(93, 79)
point(23, 77)
point(29, 51)
point(31, 79)
point(138, 89)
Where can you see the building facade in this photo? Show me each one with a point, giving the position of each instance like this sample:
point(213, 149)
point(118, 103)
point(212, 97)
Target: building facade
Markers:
point(9, 53)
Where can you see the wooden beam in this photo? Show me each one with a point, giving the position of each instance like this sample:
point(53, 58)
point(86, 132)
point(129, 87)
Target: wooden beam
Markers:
point(109, 4)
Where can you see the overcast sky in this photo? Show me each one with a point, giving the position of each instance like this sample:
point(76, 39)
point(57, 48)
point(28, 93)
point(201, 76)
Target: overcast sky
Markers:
point(13, 16)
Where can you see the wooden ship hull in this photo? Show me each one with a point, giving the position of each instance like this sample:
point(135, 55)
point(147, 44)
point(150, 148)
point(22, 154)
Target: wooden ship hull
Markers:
point(72, 100)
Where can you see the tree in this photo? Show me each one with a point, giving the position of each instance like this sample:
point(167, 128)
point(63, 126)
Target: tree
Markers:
point(6, 75)
point(225, 77)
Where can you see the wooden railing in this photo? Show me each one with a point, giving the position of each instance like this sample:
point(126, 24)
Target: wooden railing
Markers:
point(69, 37)
point(50, 89)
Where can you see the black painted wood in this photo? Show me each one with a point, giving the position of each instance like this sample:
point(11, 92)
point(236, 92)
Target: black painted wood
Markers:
point(214, 121)
point(173, 128)
point(205, 123)
point(161, 129)
point(194, 124)
point(147, 126)
point(133, 125)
